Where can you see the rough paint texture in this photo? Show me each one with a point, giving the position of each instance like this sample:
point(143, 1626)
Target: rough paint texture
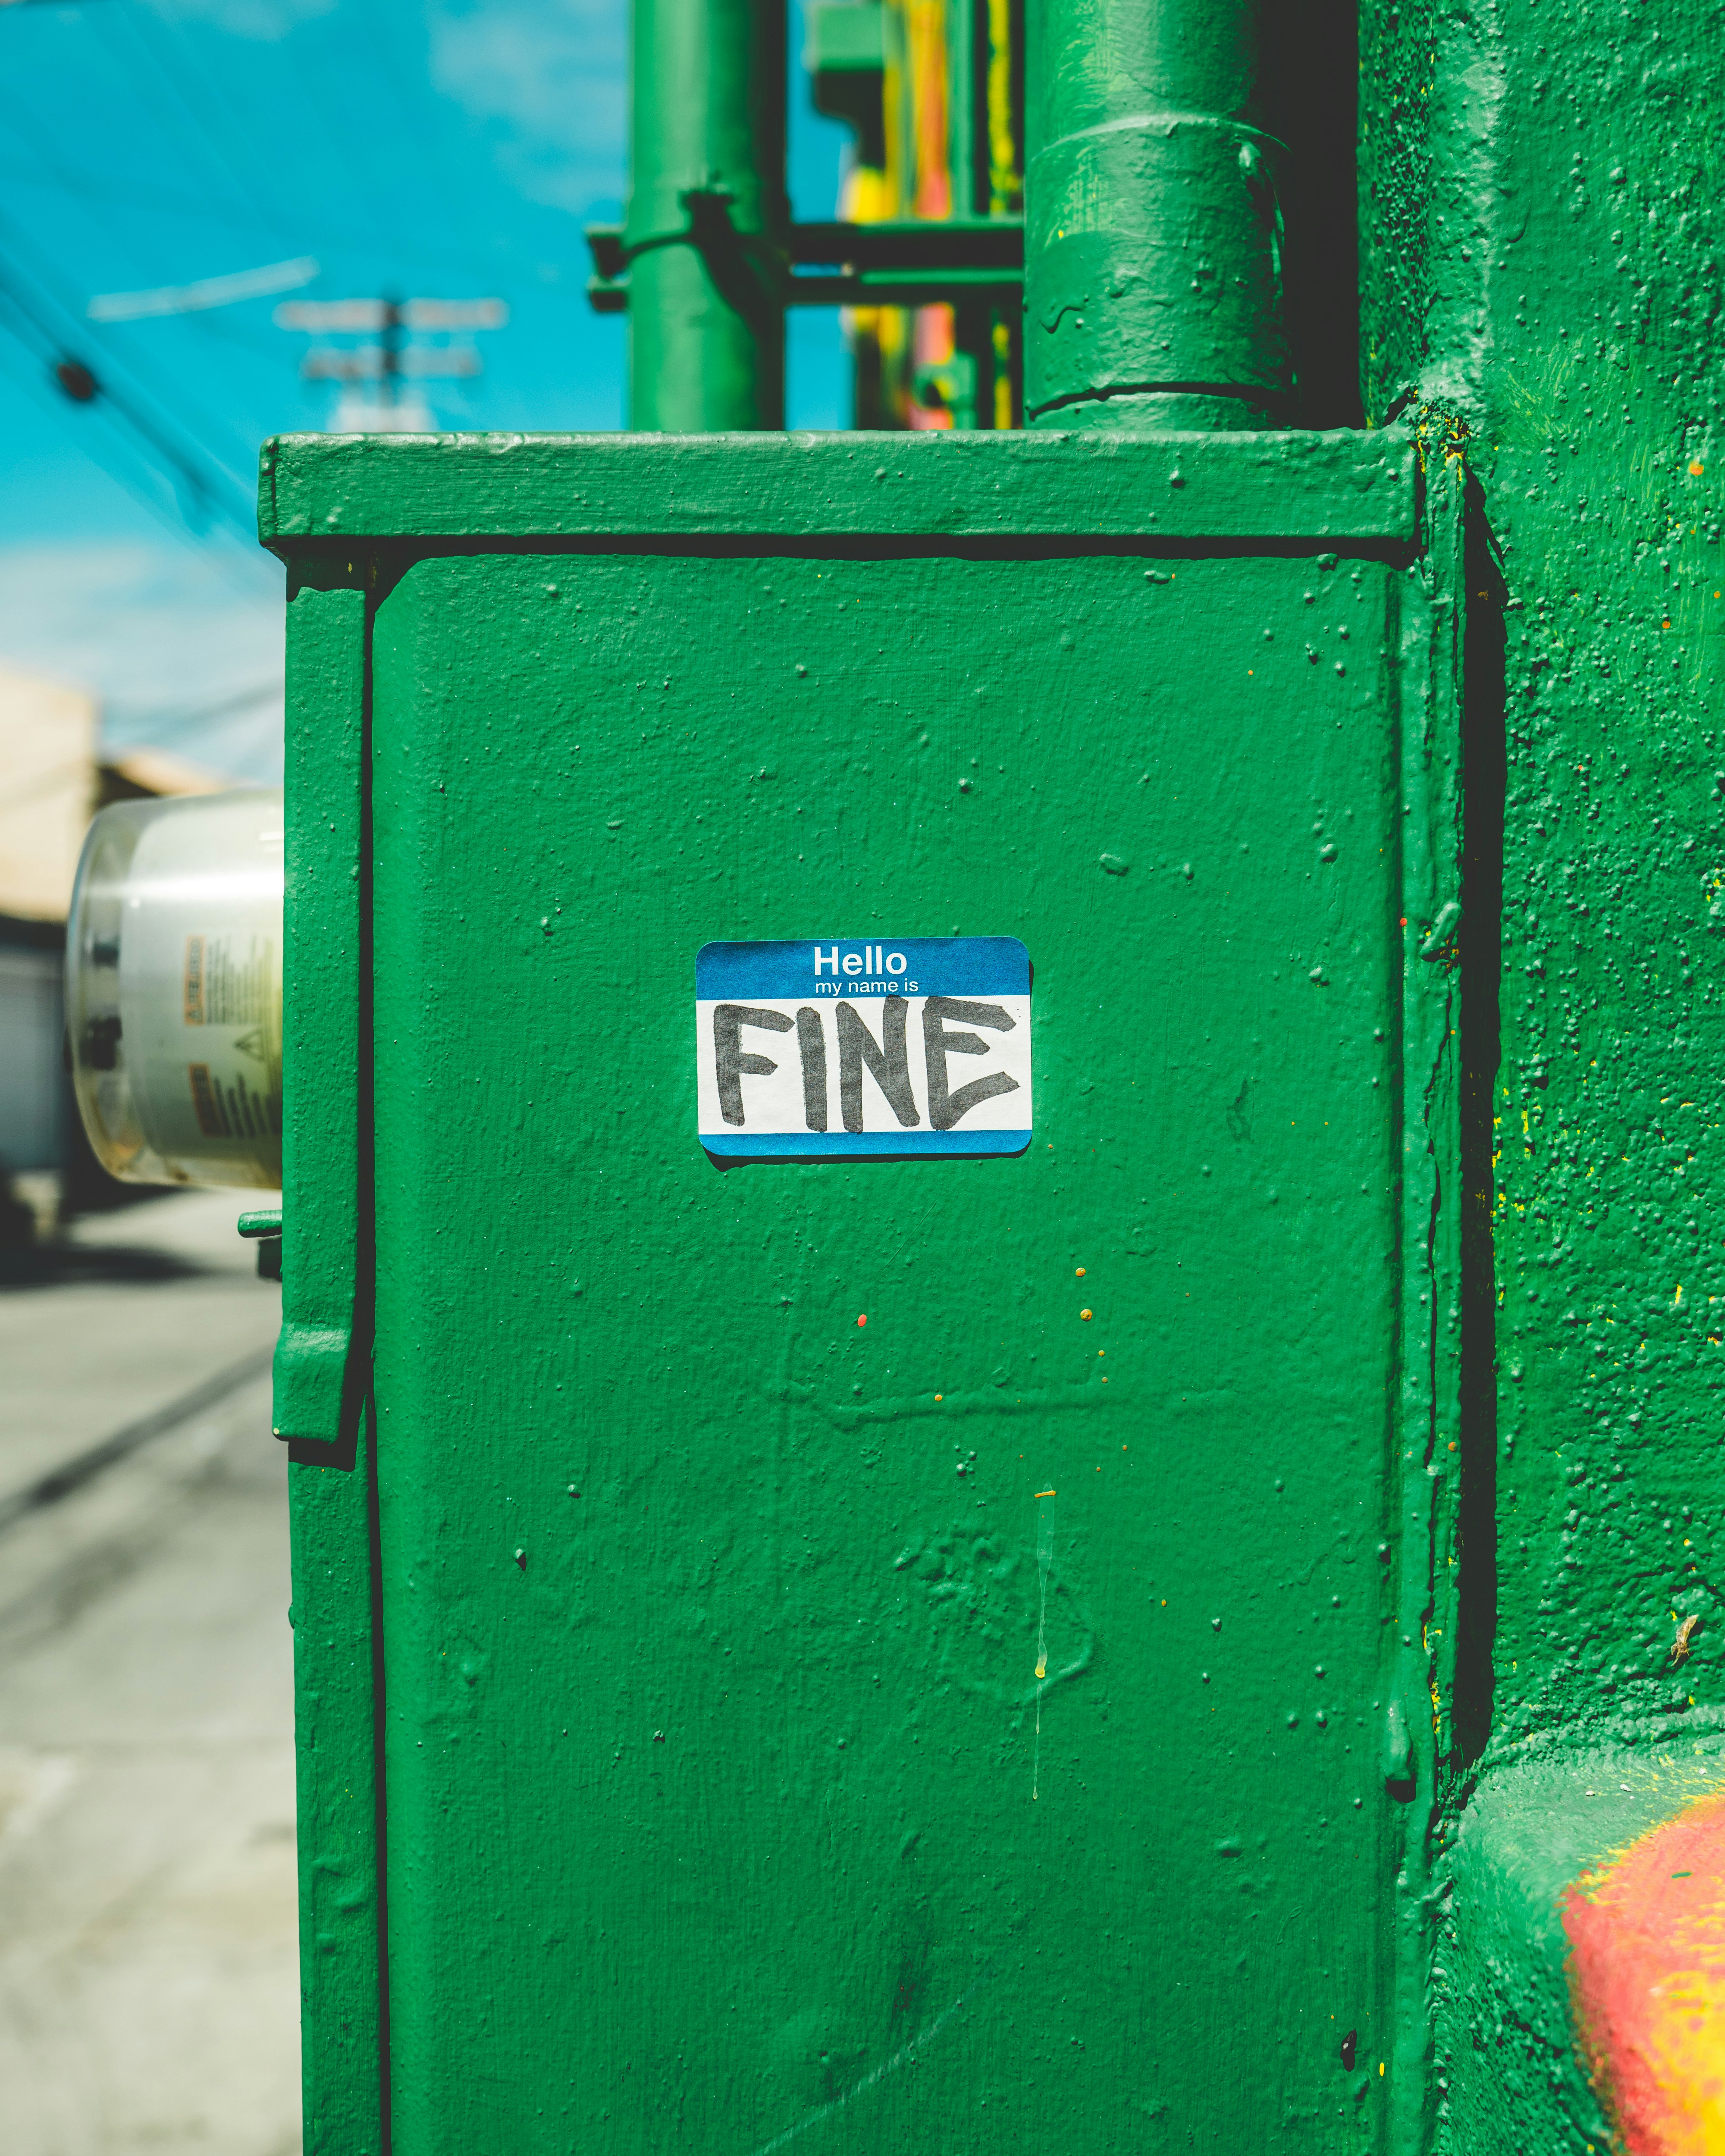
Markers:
point(1542, 224)
point(760, 1702)
point(340, 1912)
point(943, 486)
point(725, 1802)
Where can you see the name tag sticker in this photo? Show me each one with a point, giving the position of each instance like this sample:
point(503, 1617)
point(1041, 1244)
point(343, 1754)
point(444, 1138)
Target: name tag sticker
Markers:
point(920, 1044)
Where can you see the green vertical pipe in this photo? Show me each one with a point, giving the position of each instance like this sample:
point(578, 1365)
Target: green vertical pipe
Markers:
point(708, 224)
point(1152, 246)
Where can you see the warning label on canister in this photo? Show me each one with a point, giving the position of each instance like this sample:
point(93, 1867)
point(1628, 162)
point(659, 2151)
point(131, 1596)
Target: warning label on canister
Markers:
point(920, 1044)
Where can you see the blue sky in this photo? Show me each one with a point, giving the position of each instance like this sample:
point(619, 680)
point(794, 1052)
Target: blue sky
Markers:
point(452, 148)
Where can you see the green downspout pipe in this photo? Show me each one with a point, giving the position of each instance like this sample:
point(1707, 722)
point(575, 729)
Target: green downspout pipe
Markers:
point(708, 225)
point(1153, 244)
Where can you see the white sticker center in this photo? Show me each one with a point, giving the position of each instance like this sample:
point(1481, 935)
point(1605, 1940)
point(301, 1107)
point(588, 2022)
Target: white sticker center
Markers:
point(917, 1045)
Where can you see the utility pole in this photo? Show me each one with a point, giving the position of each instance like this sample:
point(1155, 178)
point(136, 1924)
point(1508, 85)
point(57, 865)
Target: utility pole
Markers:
point(392, 365)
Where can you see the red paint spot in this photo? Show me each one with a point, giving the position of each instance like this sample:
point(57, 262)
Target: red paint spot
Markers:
point(862, 1321)
point(1647, 1972)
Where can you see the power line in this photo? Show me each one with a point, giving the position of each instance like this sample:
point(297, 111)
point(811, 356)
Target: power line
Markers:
point(73, 330)
point(133, 22)
point(243, 572)
point(239, 144)
point(123, 245)
point(210, 110)
point(390, 361)
point(370, 182)
point(334, 243)
point(213, 490)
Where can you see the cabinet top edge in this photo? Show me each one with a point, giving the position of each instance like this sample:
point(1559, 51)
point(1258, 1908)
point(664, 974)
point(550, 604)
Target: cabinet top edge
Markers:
point(1287, 487)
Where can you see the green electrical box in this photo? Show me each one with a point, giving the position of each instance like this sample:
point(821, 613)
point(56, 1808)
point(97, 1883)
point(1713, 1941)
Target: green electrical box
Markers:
point(864, 1537)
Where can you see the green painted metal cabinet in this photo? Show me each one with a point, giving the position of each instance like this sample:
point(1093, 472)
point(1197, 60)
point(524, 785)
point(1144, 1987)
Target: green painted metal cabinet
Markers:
point(879, 1655)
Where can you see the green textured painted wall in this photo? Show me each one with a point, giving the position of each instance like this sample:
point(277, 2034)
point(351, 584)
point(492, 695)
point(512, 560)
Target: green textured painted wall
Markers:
point(1543, 229)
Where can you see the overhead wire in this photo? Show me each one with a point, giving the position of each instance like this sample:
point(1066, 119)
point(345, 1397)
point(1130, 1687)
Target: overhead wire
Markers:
point(390, 237)
point(226, 151)
point(77, 332)
point(327, 240)
point(229, 332)
point(172, 48)
point(134, 474)
point(148, 33)
point(212, 488)
point(235, 142)
point(130, 21)
point(133, 195)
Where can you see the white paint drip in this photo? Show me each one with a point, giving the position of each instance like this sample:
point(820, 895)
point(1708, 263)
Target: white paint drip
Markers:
point(1045, 1562)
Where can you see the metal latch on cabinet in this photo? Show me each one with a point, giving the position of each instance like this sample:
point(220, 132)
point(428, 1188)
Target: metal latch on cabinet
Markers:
point(264, 1228)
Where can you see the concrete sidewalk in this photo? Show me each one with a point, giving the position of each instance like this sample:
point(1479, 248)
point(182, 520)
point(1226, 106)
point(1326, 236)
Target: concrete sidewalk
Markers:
point(148, 1982)
point(123, 1317)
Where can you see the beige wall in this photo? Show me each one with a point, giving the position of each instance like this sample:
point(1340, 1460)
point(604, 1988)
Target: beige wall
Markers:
point(48, 738)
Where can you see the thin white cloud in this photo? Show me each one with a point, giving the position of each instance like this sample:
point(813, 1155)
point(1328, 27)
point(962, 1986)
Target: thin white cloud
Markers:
point(263, 22)
point(161, 635)
point(206, 292)
point(555, 73)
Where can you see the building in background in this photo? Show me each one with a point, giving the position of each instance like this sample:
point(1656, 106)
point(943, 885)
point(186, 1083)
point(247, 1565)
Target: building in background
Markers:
point(933, 90)
point(52, 779)
point(47, 755)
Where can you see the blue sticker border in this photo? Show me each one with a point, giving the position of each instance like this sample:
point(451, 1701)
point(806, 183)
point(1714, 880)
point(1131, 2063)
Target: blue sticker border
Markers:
point(842, 1145)
point(940, 965)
